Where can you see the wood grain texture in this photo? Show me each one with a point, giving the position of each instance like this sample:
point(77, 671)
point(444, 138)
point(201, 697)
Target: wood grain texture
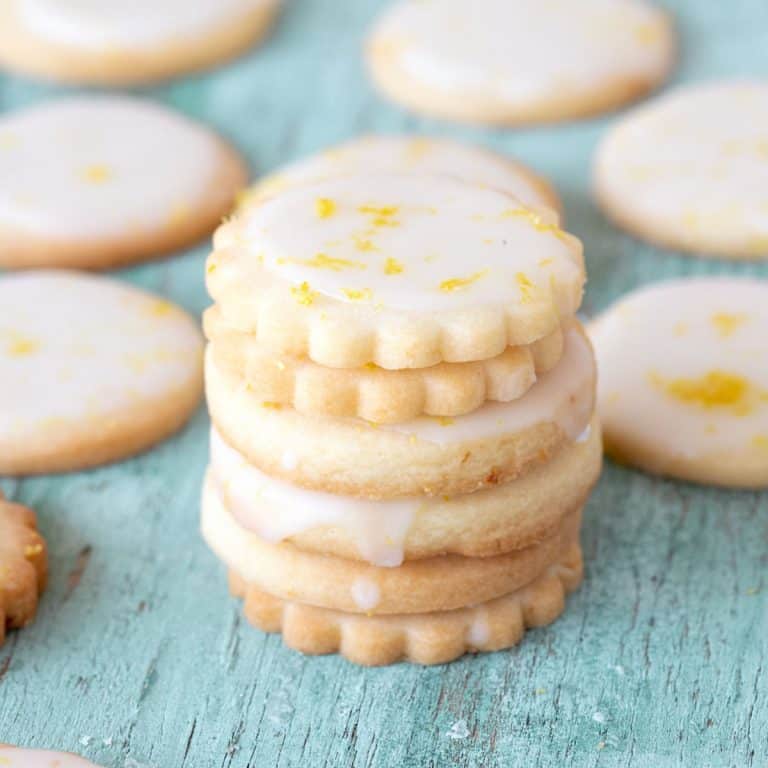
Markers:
point(139, 658)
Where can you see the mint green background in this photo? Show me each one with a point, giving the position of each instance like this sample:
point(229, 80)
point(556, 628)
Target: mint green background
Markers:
point(661, 657)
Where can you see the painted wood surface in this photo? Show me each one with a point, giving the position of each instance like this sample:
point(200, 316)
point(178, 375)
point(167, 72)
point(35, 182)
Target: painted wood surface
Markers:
point(139, 657)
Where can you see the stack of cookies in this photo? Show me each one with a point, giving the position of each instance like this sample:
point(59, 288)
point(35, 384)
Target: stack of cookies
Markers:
point(402, 405)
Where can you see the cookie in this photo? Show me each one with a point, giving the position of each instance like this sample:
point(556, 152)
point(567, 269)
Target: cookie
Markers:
point(23, 566)
point(385, 533)
point(418, 586)
point(18, 757)
point(689, 171)
point(511, 62)
point(491, 445)
point(75, 190)
point(373, 393)
point(429, 638)
point(683, 385)
point(114, 43)
point(403, 271)
point(414, 154)
point(91, 370)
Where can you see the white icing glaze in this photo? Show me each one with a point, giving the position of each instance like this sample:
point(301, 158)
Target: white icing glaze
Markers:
point(116, 24)
point(366, 594)
point(520, 51)
point(276, 510)
point(17, 757)
point(410, 154)
point(656, 349)
point(78, 168)
point(563, 395)
point(409, 242)
point(696, 162)
point(75, 348)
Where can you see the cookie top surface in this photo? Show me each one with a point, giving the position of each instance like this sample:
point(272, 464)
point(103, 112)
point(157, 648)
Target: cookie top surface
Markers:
point(518, 52)
point(415, 154)
point(77, 352)
point(76, 169)
point(683, 384)
point(691, 169)
point(106, 24)
point(17, 757)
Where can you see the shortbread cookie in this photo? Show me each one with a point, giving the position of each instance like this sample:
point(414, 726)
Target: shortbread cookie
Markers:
point(430, 456)
point(96, 182)
point(690, 170)
point(91, 370)
point(414, 154)
point(519, 61)
point(373, 393)
point(431, 638)
point(120, 43)
point(404, 271)
point(418, 586)
point(385, 533)
point(683, 385)
point(23, 566)
point(18, 757)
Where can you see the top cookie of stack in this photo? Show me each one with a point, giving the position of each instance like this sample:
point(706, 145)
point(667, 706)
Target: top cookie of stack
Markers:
point(432, 294)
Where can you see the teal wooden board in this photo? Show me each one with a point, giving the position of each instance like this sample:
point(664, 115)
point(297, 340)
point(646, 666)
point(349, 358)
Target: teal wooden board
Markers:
point(139, 657)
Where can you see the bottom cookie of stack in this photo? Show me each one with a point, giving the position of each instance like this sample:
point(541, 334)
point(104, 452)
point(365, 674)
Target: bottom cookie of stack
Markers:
point(427, 611)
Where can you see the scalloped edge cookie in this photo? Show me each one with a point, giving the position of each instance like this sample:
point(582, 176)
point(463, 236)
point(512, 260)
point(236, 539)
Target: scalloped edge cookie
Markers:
point(429, 638)
point(22, 51)
point(23, 566)
point(375, 394)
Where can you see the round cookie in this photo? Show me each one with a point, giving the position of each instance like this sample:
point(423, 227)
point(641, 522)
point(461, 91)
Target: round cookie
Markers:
point(119, 43)
point(683, 384)
point(23, 566)
point(385, 533)
point(414, 154)
point(689, 171)
point(373, 393)
point(433, 584)
point(428, 456)
point(75, 189)
point(511, 62)
point(429, 638)
point(18, 757)
point(404, 271)
point(91, 371)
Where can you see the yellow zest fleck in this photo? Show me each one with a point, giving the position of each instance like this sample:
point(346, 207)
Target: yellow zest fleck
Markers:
point(445, 421)
point(393, 267)
point(371, 367)
point(358, 294)
point(457, 283)
point(211, 268)
point(726, 323)
point(527, 288)
point(417, 148)
point(323, 261)
point(303, 294)
point(271, 405)
point(536, 220)
point(647, 34)
point(760, 442)
point(716, 389)
point(19, 345)
point(96, 174)
point(383, 216)
point(680, 329)
point(324, 207)
point(412, 439)
point(545, 262)
point(161, 308)
point(32, 550)
point(363, 244)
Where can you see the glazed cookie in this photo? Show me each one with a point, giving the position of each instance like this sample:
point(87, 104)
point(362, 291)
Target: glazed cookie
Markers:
point(91, 371)
point(385, 533)
point(509, 62)
point(75, 190)
point(117, 43)
point(403, 271)
point(414, 154)
point(18, 757)
point(418, 586)
point(690, 170)
point(23, 566)
point(431, 456)
point(683, 386)
point(373, 393)
point(430, 638)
